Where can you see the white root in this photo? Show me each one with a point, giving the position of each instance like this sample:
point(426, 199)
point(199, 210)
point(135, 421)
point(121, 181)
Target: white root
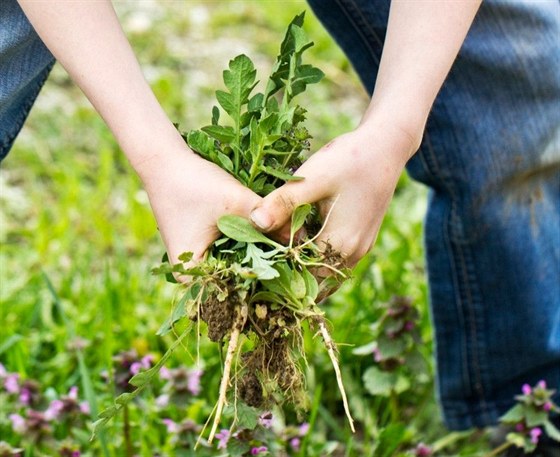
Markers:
point(330, 345)
point(240, 319)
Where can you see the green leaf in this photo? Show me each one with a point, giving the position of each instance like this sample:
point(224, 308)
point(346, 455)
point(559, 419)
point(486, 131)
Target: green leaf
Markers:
point(298, 285)
point(237, 448)
point(260, 264)
point(513, 415)
point(186, 257)
point(389, 348)
point(240, 80)
point(298, 219)
point(389, 439)
point(280, 174)
point(551, 431)
point(220, 133)
point(378, 382)
point(534, 417)
point(311, 285)
point(247, 417)
point(240, 229)
point(201, 143)
point(215, 115)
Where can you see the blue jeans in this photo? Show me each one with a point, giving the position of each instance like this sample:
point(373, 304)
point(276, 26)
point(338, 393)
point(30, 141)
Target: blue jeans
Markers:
point(25, 63)
point(491, 158)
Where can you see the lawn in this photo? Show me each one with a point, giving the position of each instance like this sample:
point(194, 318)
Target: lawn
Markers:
point(80, 308)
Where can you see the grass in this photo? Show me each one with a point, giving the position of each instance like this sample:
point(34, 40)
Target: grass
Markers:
point(78, 241)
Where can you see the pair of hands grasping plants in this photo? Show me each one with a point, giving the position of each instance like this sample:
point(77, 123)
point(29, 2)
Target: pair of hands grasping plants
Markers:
point(358, 170)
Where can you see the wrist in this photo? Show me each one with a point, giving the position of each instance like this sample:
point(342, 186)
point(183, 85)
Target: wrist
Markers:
point(405, 124)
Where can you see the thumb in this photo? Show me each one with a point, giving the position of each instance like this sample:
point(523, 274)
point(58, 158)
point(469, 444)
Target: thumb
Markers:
point(275, 210)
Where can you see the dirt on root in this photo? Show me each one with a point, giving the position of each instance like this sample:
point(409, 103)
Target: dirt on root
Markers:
point(219, 316)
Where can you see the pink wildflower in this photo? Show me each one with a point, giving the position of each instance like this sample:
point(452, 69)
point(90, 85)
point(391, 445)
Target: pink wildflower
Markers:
point(265, 419)
point(520, 427)
point(165, 373)
point(259, 450)
point(172, 427)
point(303, 429)
point(11, 383)
point(18, 423)
point(542, 384)
point(535, 434)
point(162, 401)
point(193, 382)
point(295, 444)
point(526, 389)
point(223, 437)
point(84, 408)
point(423, 451)
point(73, 393)
point(135, 367)
point(25, 396)
point(54, 410)
point(547, 406)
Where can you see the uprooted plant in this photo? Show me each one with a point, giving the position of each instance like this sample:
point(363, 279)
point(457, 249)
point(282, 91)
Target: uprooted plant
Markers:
point(252, 292)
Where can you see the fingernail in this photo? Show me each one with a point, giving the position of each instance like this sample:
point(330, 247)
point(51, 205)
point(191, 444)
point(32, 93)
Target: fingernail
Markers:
point(261, 219)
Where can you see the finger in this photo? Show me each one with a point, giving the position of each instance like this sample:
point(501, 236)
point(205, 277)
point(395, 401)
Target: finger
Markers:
point(274, 212)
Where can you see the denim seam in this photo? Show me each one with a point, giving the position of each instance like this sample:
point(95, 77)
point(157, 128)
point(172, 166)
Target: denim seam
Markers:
point(349, 7)
point(434, 168)
point(462, 261)
point(18, 124)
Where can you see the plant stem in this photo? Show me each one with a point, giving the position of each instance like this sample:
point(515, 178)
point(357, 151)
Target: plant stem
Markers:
point(329, 344)
point(499, 449)
point(126, 432)
point(242, 313)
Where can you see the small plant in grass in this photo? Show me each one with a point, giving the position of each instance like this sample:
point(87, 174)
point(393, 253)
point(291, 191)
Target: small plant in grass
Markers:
point(530, 419)
point(394, 349)
point(253, 293)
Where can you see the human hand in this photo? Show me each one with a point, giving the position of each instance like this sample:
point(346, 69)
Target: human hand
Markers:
point(352, 180)
point(188, 195)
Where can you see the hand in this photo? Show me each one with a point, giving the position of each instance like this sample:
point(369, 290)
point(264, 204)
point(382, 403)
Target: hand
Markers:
point(188, 195)
point(352, 180)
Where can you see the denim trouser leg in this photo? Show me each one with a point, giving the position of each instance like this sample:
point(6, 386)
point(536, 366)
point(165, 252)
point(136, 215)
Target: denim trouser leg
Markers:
point(491, 157)
point(25, 63)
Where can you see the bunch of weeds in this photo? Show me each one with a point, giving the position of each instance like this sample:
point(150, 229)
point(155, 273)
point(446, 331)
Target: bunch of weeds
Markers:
point(252, 292)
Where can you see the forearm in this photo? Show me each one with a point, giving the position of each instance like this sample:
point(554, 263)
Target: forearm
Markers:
point(88, 41)
point(423, 39)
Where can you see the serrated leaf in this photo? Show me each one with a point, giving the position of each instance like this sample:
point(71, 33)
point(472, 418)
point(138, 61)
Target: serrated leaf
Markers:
point(260, 264)
point(240, 229)
point(247, 417)
point(390, 348)
point(220, 133)
point(201, 143)
point(534, 417)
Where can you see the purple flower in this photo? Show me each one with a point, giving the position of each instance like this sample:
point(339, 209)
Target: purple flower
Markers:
point(547, 406)
point(259, 450)
point(303, 429)
point(73, 393)
point(172, 427)
point(526, 389)
point(520, 427)
point(162, 401)
point(165, 373)
point(409, 326)
point(54, 410)
point(76, 454)
point(542, 384)
point(146, 361)
point(423, 451)
point(265, 419)
point(535, 434)
point(18, 423)
point(295, 443)
point(84, 408)
point(135, 368)
point(11, 383)
point(193, 383)
point(223, 437)
point(377, 355)
point(25, 396)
